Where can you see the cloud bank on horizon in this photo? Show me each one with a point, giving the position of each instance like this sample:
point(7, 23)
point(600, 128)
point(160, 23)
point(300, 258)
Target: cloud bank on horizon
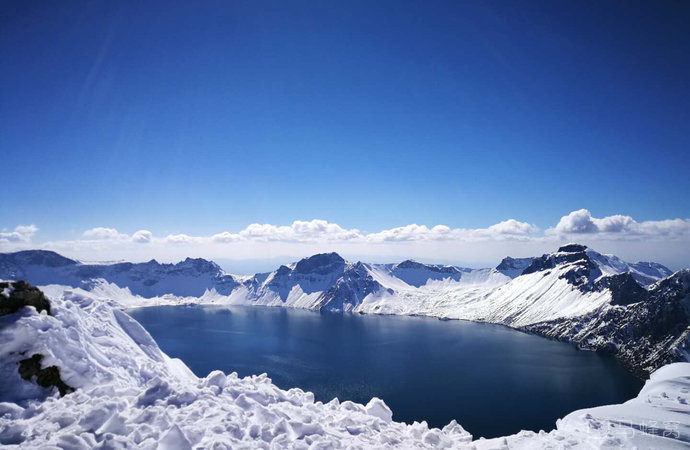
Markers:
point(665, 240)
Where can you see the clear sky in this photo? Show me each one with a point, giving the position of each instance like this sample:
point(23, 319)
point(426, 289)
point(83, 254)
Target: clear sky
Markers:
point(204, 117)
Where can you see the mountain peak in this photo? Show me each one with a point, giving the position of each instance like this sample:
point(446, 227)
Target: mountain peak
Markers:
point(320, 263)
point(199, 264)
point(514, 267)
point(408, 264)
point(46, 258)
point(572, 247)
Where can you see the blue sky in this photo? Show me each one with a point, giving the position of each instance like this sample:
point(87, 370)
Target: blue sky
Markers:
point(201, 117)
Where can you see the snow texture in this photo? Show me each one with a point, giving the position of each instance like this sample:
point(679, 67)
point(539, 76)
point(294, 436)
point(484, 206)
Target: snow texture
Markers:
point(129, 394)
point(565, 288)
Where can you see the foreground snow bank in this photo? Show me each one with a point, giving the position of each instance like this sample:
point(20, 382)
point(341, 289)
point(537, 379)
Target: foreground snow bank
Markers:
point(129, 394)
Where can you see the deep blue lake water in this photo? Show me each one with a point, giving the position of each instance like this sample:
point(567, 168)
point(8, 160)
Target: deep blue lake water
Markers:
point(493, 380)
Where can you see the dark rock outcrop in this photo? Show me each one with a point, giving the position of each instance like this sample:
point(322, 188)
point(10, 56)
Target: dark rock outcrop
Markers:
point(48, 377)
point(322, 263)
point(643, 335)
point(349, 290)
point(15, 295)
point(624, 289)
point(585, 274)
point(575, 254)
point(514, 267)
point(411, 264)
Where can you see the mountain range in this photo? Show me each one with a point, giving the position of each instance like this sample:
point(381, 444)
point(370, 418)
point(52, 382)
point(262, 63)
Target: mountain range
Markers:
point(639, 312)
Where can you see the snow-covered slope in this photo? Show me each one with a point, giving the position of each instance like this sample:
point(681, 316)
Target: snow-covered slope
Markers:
point(328, 282)
point(644, 335)
point(526, 299)
point(191, 277)
point(598, 265)
point(568, 286)
point(123, 392)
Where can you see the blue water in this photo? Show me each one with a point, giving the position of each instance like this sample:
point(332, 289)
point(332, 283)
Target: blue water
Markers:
point(493, 380)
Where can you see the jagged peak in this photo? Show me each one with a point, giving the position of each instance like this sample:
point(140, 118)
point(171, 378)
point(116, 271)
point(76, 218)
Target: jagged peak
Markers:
point(319, 263)
point(199, 264)
point(512, 263)
point(409, 263)
point(572, 247)
point(412, 264)
point(681, 277)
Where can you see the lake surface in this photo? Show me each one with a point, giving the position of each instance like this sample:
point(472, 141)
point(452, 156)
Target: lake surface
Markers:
point(493, 380)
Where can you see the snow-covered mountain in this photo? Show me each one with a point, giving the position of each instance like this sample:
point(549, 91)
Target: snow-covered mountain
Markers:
point(191, 277)
point(323, 281)
point(594, 265)
point(554, 294)
point(513, 267)
point(643, 334)
point(82, 374)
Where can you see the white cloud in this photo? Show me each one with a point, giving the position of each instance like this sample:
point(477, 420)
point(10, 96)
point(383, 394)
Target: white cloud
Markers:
point(21, 234)
point(665, 240)
point(512, 227)
point(579, 221)
point(142, 237)
point(183, 239)
point(103, 233)
point(299, 231)
point(411, 232)
point(226, 237)
point(664, 228)
point(614, 224)
point(620, 226)
point(509, 229)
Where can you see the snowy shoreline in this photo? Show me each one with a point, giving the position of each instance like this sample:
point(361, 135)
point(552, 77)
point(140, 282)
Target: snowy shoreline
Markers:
point(633, 311)
point(130, 394)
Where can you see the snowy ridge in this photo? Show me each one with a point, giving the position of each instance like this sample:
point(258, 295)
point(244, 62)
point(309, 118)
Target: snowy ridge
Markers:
point(643, 335)
point(553, 295)
point(129, 394)
point(513, 267)
point(190, 277)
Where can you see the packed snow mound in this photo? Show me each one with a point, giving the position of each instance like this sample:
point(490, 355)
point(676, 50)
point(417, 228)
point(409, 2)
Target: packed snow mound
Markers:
point(129, 394)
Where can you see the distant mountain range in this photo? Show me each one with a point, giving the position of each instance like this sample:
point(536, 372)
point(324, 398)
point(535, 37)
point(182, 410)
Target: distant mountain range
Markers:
point(636, 311)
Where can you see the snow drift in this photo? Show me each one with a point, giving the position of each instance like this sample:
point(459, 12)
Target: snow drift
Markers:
point(129, 394)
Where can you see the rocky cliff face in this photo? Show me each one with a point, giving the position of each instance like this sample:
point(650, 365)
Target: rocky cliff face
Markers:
point(350, 289)
point(514, 267)
point(15, 295)
point(644, 335)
